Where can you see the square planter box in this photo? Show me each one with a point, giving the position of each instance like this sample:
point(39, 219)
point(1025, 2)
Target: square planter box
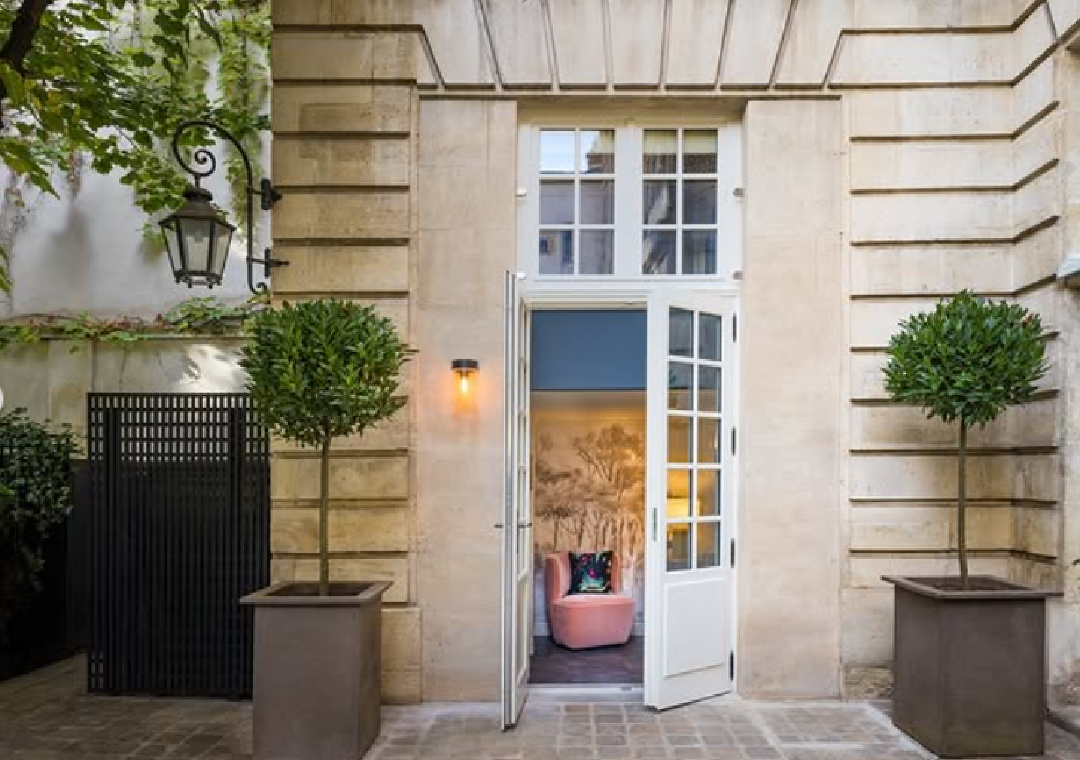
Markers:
point(969, 671)
point(317, 668)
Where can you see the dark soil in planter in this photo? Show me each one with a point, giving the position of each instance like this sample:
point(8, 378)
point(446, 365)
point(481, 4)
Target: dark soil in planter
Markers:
point(337, 588)
point(975, 583)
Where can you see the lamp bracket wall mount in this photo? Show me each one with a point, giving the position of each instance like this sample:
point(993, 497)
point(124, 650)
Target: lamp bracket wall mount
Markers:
point(203, 164)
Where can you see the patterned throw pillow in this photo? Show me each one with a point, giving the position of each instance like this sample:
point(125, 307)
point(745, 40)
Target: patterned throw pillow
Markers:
point(590, 573)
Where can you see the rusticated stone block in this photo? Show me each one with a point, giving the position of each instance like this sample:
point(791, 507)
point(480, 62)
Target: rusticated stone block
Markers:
point(388, 434)
point(401, 655)
point(351, 477)
point(375, 529)
point(344, 55)
point(345, 108)
point(342, 216)
point(348, 269)
point(341, 161)
point(316, 12)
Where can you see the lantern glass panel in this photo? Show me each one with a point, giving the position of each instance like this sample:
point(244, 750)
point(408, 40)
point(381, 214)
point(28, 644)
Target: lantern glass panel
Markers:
point(222, 239)
point(172, 244)
point(198, 238)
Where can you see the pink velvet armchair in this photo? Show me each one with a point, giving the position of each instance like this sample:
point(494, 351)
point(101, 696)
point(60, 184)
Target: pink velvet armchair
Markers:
point(581, 621)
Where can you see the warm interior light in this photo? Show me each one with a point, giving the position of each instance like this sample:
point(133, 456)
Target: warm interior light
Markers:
point(464, 369)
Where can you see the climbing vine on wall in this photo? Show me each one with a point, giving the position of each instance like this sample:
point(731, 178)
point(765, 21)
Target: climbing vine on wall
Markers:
point(196, 316)
point(104, 83)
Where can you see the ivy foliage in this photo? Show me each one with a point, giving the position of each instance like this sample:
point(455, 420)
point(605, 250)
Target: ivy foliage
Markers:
point(968, 359)
point(196, 316)
point(322, 369)
point(35, 497)
point(108, 80)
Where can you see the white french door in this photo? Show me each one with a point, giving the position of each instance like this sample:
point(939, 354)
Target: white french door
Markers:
point(516, 523)
point(690, 497)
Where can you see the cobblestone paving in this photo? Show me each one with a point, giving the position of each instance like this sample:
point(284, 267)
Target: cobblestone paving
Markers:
point(44, 717)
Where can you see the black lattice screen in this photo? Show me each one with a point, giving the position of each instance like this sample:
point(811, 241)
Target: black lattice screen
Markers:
point(180, 530)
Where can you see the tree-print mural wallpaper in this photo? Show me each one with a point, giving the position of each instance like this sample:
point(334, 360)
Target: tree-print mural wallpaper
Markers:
point(589, 493)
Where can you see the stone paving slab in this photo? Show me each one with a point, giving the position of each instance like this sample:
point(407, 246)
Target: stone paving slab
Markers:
point(45, 717)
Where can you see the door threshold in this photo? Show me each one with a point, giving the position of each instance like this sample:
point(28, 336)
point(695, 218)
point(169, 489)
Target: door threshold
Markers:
point(586, 692)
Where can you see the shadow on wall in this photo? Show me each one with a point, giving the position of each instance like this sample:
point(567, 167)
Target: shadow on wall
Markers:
point(198, 366)
point(589, 492)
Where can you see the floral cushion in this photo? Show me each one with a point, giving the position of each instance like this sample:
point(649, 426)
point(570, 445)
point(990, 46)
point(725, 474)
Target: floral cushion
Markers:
point(590, 573)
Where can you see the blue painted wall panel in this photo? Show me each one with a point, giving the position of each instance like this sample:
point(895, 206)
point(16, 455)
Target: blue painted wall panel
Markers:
point(588, 350)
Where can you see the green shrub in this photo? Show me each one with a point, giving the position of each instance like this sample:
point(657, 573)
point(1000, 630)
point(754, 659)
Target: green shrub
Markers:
point(35, 497)
point(319, 370)
point(966, 362)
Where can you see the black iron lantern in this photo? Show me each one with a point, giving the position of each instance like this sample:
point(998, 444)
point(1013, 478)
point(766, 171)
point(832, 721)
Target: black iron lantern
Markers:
point(197, 235)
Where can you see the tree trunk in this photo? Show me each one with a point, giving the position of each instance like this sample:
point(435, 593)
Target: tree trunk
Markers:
point(324, 520)
point(961, 526)
point(21, 37)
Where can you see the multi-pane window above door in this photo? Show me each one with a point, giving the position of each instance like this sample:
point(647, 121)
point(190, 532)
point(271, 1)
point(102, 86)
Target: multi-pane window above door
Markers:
point(679, 202)
point(577, 201)
point(631, 202)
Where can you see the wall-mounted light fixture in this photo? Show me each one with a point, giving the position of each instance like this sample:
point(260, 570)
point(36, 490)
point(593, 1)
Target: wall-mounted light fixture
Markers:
point(464, 369)
point(197, 235)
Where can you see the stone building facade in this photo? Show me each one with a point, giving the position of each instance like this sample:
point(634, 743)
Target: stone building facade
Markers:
point(893, 151)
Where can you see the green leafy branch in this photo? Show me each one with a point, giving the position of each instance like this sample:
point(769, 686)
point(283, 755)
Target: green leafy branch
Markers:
point(196, 316)
point(110, 80)
point(35, 497)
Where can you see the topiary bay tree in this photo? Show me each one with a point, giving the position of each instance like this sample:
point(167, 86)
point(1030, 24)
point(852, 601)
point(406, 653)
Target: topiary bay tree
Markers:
point(966, 362)
point(319, 370)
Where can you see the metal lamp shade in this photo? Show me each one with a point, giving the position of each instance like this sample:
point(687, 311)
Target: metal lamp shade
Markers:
point(197, 238)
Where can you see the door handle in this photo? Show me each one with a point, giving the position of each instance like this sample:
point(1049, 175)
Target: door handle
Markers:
point(499, 526)
point(524, 525)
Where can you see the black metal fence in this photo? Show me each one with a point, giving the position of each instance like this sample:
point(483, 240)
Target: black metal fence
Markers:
point(180, 530)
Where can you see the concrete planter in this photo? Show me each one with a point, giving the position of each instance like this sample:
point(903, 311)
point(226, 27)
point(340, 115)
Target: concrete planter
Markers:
point(317, 665)
point(969, 669)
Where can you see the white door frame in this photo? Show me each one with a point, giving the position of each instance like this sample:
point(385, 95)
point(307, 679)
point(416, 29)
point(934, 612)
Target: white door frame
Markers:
point(541, 294)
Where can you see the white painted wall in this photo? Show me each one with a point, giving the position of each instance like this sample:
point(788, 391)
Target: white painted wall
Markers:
point(84, 252)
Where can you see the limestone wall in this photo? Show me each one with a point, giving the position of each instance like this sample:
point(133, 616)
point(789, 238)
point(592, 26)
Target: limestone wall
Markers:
point(895, 152)
point(792, 345)
point(345, 152)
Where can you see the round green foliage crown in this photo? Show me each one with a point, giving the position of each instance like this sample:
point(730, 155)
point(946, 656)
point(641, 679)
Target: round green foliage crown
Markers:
point(967, 360)
point(323, 369)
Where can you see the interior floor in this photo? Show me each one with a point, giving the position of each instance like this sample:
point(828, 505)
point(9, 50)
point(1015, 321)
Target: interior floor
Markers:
point(620, 664)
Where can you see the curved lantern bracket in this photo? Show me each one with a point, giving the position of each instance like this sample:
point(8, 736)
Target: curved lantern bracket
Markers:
point(201, 269)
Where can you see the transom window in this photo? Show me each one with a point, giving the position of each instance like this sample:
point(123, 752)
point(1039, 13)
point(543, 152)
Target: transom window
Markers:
point(679, 208)
point(577, 201)
point(631, 202)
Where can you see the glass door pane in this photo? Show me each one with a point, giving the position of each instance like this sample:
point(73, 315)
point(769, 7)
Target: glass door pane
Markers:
point(694, 439)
